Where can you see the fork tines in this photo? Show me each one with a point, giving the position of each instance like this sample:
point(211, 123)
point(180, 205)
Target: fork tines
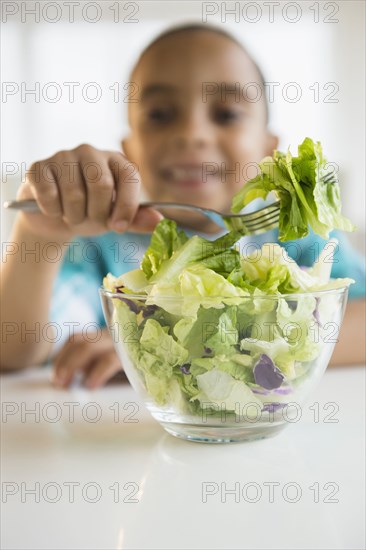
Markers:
point(264, 221)
point(263, 217)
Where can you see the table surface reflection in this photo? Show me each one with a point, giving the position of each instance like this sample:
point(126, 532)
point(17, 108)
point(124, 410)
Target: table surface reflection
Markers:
point(93, 470)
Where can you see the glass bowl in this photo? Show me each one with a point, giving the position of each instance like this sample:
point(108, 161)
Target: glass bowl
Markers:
point(224, 369)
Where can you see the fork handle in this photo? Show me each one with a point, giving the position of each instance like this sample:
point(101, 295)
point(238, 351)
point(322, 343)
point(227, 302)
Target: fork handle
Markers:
point(27, 205)
point(31, 205)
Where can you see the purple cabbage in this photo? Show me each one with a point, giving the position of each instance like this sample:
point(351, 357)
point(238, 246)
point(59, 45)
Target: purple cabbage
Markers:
point(185, 368)
point(282, 391)
point(149, 310)
point(273, 407)
point(292, 304)
point(261, 391)
point(266, 374)
point(316, 312)
point(135, 306)
point(208, 352)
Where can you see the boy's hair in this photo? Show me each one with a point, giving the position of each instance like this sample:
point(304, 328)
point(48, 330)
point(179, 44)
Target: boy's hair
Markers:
point(217, 30)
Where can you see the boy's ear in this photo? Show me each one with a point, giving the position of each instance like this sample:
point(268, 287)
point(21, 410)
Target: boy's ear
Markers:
point(272, 144)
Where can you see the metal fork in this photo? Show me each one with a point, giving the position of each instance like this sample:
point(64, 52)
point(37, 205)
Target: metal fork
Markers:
point(251, 223)
point(248, 224)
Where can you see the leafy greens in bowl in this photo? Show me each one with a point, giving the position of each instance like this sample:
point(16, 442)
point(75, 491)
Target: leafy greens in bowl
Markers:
point(225, 347)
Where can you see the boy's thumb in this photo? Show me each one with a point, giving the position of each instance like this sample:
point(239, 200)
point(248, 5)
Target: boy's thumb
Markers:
point(145, 220)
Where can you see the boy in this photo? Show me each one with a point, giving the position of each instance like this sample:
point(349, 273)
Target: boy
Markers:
point(174, 130)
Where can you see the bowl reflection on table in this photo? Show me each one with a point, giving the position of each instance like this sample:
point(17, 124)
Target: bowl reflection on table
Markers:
point(224, 369)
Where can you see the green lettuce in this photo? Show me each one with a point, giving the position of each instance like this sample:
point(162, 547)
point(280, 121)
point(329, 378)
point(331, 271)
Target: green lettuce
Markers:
point(159, 354)
point(165, 240)
point(220, 391)
point(233, 366)
point(275, 272)
point(307, 197)
point(215, 255)
point(205, 327)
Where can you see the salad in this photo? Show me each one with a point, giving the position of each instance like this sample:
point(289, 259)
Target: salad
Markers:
point(307, 188)
point(204, 325)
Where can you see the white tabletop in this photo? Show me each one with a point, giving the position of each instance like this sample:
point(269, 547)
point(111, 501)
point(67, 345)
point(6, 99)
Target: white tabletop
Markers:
point(121, 482)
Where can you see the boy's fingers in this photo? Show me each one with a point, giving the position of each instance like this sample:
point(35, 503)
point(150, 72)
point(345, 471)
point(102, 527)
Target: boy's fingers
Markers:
point(145, 220)
point(99, 183)
point(104, 368)
point(62, 354)
point(76, 357)
point(42, 181)
point(127, 187)
point(78, 339)
point(72, 190)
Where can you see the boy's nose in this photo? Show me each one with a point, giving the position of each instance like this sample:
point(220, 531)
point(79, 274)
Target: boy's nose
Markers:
point(193, 132)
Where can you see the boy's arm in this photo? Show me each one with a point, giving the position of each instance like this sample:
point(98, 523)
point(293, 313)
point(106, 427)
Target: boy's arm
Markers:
point(351, 347)
point(26, 286)
point(72, 202)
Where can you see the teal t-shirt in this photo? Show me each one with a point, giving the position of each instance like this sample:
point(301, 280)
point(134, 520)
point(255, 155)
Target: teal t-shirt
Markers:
point(76, 307)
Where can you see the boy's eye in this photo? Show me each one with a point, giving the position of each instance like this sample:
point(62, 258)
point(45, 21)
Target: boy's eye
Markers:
point(226, 116)
point(161, 114)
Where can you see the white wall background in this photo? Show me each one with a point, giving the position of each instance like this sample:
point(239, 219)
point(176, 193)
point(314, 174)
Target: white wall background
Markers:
point(326, 45)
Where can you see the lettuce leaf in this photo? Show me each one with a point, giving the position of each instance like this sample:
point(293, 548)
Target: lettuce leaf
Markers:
point(306, 197)
point(165, 240)
point(220, 390)
point(195, 286)
point(217, 255)
point(274, 272)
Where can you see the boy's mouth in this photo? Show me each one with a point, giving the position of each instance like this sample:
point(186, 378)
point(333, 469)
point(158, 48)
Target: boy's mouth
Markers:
point(191, 175)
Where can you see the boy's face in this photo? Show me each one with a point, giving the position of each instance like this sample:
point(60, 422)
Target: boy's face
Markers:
point(192, 140)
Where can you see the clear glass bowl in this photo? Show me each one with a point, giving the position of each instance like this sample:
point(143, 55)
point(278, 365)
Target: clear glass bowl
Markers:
point(223, 369)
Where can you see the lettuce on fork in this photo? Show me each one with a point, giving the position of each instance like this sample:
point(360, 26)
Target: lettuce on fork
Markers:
point(308, 198)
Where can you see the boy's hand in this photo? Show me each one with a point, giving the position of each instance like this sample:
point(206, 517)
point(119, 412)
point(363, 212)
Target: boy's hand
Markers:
point(85, 192)
point(97, 361)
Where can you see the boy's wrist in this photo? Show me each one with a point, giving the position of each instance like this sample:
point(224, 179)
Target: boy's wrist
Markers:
point(24, 229)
